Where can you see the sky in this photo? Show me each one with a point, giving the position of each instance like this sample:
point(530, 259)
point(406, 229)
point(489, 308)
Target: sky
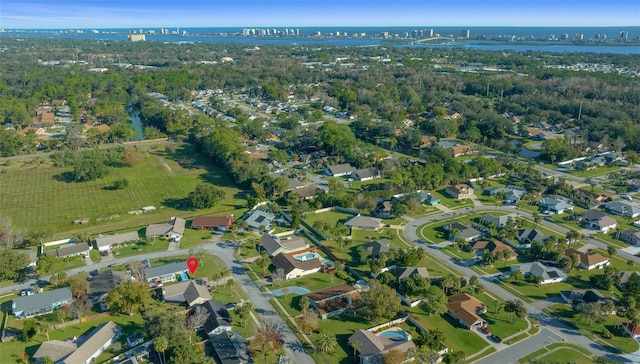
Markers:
point(96, 14)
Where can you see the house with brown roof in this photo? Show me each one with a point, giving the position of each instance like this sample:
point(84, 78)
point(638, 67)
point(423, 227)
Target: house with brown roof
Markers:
point(288, 267)
point(494, 247)
point(589, 261)
point(333, 301)
point(459, 150)
point(219, 223)
point(460, 191)
point(466, 310)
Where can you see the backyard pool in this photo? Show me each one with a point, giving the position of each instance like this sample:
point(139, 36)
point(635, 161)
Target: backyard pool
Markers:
point(307, 256)
point(395, 333)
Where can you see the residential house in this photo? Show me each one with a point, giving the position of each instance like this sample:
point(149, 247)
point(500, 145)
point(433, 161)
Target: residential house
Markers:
point(587, 296)
point(218, 319)
point(498, 221)
point(428, 199)
point(466, 310)
point(537, 269)
point(218, 223)
point(306, 192)
point(511, 194)
point(366, 174)
point(187, 293)
point(532, 132)
point(494, 247)
point(274, 245)
point(460, 150)
point(631, 330)
point(104, 243)
point(157, 276)
point(460, 191)
point(374, 248)
point(172, 230)
point(32, 256)
point(333, 301)
point(364, 223)
point(339, 170)
point(590, 198)
point(41, 303)
point(622, 208)
point(466, 233)
point(55, 350)
point(372, 347)
point(383, 209)
point(589, 261)
point(630, 236)
point(406, 272)
point(527, 236)
point(135, 340)
point(231, 348)
point(555, 205)
point(70, 250)
point(99, 286)
point(287, 267)
point(94, 344)
point(633, 184)
point(597, 220)
point(259, 220)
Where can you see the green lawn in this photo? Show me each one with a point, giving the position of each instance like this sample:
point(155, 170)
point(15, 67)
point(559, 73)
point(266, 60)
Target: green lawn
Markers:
point(450, 202)
point(207, 267)
point(617, 344)
point(160, 180)
point(330, 217)
point(568, 356)
point(600, 171)
point(500, 324)
point(456, 337)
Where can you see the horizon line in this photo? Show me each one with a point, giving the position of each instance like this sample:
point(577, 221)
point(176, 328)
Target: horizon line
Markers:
point(333, 26)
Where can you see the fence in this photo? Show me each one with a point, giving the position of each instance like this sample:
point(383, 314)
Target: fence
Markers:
point(59, 242)
point(82, 319)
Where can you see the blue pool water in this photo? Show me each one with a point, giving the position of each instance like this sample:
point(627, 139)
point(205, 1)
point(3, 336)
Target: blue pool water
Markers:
point(304, 257)
point(393, 334)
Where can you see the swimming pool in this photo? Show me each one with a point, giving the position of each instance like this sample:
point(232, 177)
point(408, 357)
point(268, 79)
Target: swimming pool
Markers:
point(307, 256)
point(397, 334)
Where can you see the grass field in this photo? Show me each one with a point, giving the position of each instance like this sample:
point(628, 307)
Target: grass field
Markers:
point(34, 196)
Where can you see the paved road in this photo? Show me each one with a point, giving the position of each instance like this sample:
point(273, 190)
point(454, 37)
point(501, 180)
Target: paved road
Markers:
point(523, 348)
point(225, 252)
point(559, 327)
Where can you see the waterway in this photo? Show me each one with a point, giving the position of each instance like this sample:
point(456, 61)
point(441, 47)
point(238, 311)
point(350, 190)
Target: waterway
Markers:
point(138, 134)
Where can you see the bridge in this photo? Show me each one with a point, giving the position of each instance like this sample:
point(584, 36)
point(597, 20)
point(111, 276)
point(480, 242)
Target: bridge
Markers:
point(434, 40)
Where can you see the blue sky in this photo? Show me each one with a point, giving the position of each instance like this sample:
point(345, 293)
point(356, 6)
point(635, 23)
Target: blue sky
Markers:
point(250, 13)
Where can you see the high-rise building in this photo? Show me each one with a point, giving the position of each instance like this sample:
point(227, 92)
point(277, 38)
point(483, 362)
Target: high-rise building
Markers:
point(466, 33)
point(564, 36)
point(624, 36)
point(429, 33)
point(579, 36)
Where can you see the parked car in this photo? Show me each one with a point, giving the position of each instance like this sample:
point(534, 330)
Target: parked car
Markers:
point(626, 197)
point(94, 273)
point(485, 330)
point(26, 292)
point(496, 338)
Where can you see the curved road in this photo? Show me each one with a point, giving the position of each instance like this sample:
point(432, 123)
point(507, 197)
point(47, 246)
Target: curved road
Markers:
point(558, 328)
point(225, 252)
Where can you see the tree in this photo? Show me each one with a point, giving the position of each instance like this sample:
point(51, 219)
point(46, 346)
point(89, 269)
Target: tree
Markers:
point(11, 263)
point(243, 312)
point(611, 251)
point(205, 196)
point(517, 276)
point(60, 316)
point(29, 329)
point(121, 184)
point(129, 297)
point(81, 306)
point(449, 282)
point(381, 301)
point(435, 302)
point(630, 264)
point(45, 327)
point(499, 305)
point(78, 283)
point(432, 339)
point(161, 344)
point(394, 356)
point(187, 354)
point(326, 342)
point(269, 339)
point(536, 218)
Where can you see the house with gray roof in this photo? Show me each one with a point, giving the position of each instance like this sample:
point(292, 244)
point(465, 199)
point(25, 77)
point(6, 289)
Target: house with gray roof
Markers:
point(631, 236)
point(172, 230)
point(259, 219)
point(364, 223)
point(527, 236)
point(94, 344)
point(156, 276)
point(374, 248)
point(275, 245)
point(231, 348)
point(55, 350)
point(218, 319)
point(512, 194)
point(70, 250)
point(187, 293)
point(537, 269)
point(366, 174)
point(99, 286)
point(372, 347)
point(555, 205)
point(107, 242)
point(622, 208)
point(339, 170)
point(598, 220)
point(466, 232)
point(41, 303)
point(498, 221)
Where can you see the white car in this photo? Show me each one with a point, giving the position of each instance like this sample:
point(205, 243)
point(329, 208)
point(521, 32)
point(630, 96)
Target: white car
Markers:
point(626, 197)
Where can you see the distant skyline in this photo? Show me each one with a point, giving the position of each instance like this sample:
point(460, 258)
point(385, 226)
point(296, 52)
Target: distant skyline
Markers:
point(48, 14)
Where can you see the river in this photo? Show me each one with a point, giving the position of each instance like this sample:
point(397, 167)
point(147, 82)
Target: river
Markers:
point(138, 134)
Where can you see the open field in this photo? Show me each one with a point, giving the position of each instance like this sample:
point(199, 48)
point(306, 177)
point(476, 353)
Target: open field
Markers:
point(35, 197)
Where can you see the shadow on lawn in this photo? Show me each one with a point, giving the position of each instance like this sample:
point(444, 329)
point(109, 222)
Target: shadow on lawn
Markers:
point(181, 204)
point(66, 177)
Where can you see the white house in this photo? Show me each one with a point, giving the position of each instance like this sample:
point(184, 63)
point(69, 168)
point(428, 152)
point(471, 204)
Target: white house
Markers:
point(589, 261)
point(622, 208)
point(537, 269)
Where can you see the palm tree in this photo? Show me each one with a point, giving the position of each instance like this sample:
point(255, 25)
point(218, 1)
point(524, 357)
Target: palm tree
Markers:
point(60, 316)
point(499, 306)
point(630, 264)
point(45, 327)
point(326, 342)
point(536, 218)
point(356, 345)
point(160, 344)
